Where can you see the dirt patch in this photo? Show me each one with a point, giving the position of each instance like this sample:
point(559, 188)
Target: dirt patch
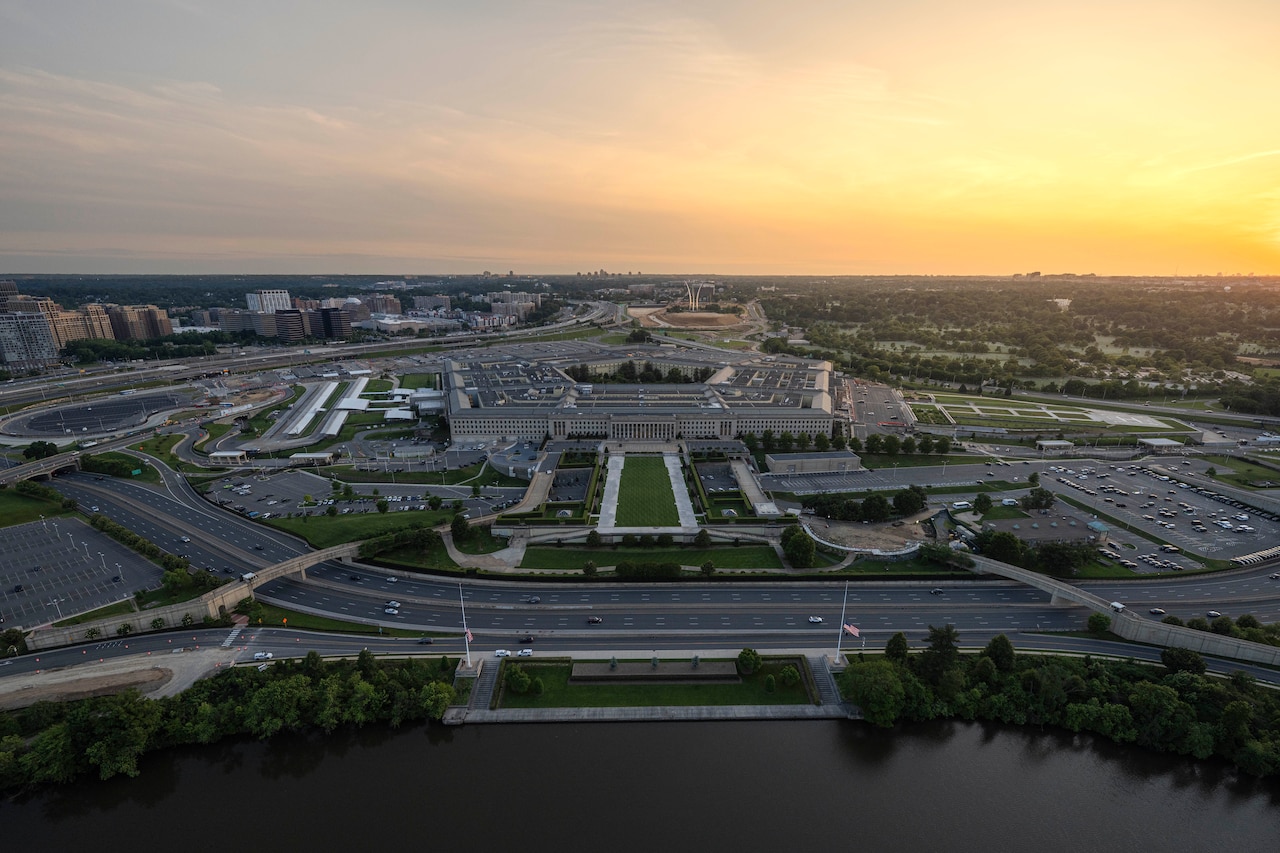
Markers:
point(855, 534)
point(700, 320)
point(85, 687)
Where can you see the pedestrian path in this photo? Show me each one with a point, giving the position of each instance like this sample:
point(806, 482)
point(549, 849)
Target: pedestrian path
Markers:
point(482, 690)
point(656, 713)
point(828, 692)
point(684, 505)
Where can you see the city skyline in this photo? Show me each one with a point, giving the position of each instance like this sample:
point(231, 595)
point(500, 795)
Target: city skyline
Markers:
point(926, 137)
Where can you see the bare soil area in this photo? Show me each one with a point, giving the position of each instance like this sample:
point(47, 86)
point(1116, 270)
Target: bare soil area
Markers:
point(142, 673)
point(855, 534)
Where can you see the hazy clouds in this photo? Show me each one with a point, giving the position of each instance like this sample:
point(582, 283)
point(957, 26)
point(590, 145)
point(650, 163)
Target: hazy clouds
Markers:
point(561, 136)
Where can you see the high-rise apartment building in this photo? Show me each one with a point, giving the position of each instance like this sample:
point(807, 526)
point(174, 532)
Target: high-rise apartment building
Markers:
point(382, 303)
point(26, 341)
point(268, 300)
point(138, 322)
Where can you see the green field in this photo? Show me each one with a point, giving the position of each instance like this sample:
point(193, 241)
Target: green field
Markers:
point(559, 693)
point(323, 531)
point(19, 509)
point(644, 494)
point(573, 559)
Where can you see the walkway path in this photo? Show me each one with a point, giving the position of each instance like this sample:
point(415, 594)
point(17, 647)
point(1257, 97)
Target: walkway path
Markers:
point(684, 505)
point(609, 504)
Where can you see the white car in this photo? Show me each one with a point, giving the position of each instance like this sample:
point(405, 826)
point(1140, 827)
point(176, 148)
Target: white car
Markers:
point(525, 653)
point(391, 611)
point(501, 653)
point(263, 655)
point(392, 603)
point(815, 620)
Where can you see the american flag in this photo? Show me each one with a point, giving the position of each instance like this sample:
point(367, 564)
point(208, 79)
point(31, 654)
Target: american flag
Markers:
point(852, 630)
point(469, 637)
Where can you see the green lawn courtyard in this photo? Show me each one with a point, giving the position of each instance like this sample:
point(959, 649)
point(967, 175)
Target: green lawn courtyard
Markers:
point(645, 498)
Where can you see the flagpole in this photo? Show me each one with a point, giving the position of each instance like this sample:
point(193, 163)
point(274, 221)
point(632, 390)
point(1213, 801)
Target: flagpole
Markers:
point(840, 630)
point(466, 635)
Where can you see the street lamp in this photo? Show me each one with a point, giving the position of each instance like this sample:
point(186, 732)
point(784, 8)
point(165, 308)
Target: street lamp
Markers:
point(86, 550)
point(103, 559)
point(56, 602)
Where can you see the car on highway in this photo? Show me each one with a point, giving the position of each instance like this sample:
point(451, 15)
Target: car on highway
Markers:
point(1213, 614)
point(186, 538)
point(1156, 611)
point(533, 599)
point(594, 620)
point(937, 590)
point(527, 638)
point(391, 611)
point(257, 547)
point(815, 620)
point(263, 655)
point(525, 653)
point(425, 641)
point(501, 653)
point(392, 603)
point(1275, 576)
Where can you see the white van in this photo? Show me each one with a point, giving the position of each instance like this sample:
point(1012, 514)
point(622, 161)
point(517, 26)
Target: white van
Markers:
point(962, 505)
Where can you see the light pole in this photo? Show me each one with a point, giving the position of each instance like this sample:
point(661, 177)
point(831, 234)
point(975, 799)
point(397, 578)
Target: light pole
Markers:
point(56, 602)
point(103, 558)
point(86, 550)
point(120, 572)
point(43, 526)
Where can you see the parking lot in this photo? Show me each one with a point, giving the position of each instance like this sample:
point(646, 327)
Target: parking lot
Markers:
point(1175, 502)
point(57, 568)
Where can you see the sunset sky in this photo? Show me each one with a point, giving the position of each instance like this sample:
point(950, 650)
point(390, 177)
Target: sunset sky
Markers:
point(854, 137)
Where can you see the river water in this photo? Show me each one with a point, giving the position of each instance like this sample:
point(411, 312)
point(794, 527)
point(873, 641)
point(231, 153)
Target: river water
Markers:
point(661, 786)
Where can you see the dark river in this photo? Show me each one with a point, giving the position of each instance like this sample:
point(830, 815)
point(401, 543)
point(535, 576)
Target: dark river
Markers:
point(661, 786)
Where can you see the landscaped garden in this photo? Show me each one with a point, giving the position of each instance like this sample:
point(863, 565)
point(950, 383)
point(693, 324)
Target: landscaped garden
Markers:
point(645, 498)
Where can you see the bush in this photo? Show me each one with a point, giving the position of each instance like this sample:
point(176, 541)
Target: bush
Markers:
point(748, 661)
point(789, 676)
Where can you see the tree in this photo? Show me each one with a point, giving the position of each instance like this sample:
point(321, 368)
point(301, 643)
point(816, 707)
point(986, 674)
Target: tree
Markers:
point(821, 443)
point(897, 649)
point(1182, 660)
point(1000, 651)
point(875, 687)
point(331, 510)
point(909, 446)
point(941, 654)
point(838, 442)
point(875, 508)
point(750, 441)
point(770, 683)
point(40, 450)
point(383, 506)
point(589, 568)
point(1034, 478)
point(874, 442)
point(434, 502)
point(708, 568)
point(786, 440)
point(1000, 545)
point(800, 551)
point(891, 445)
point(459, 527)
point(1039, 498)
point(593, 539)
point(1099, 623)
point(703, 539)
point(517, 680)
point(789, 676)
point(749, 661)
point(942, 445)
point(910, 500)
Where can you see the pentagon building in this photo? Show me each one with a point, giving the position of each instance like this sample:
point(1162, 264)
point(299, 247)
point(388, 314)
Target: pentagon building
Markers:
point(529, 392)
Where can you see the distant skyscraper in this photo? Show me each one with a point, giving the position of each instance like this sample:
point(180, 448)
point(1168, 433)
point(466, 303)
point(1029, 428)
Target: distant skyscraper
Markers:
point(268, 300)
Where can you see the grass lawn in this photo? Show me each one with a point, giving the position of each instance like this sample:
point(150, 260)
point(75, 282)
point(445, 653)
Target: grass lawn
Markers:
point(213, 432)
point(559, 693)
point(471, 475)
point(480, 542)
point(417, 380)
point(149, 473)
point(999, 512)
point(323, 531)
point(572, 559)
point(19, 509)
point(435, 558)
point(161, 447)
point(644, 494)
point(120, 608)
point(1241, 472)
